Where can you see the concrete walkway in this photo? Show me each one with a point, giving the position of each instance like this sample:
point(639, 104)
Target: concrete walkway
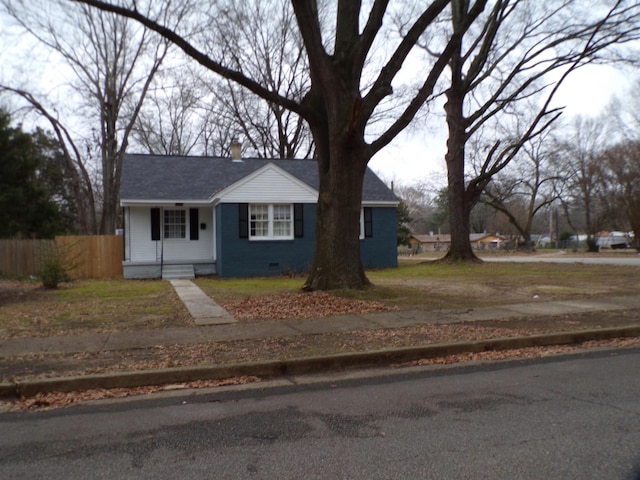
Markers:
point(202, 308)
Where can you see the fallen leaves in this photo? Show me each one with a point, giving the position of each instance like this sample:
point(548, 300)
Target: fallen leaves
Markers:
point(523, 353)
point(50, 401)
point(300, 306)
point(54, 400)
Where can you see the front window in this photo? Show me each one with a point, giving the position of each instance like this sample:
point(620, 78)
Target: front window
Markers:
point(259, 215)
point(175, 225)
point(282, 221)
point(268, 222)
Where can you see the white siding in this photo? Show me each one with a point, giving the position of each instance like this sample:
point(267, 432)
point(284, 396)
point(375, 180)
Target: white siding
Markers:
point(140, 248)
point(269, 185)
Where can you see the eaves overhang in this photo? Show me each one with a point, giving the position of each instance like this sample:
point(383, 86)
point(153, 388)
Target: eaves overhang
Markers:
point(163, 202)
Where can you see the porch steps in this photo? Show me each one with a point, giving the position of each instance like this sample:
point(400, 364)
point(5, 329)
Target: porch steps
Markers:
point(173, 272)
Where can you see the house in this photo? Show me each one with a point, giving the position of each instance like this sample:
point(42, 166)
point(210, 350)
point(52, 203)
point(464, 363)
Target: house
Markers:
point(486, 241)
point(442, 242)
point(429, 243)
point(236, 217)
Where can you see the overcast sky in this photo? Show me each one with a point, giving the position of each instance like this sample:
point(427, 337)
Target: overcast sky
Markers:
point(419, 157)
point(416, 155)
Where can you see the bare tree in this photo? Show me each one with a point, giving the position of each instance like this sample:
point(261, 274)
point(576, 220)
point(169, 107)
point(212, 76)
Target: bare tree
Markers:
point(168, 122)
point(113, 65)
point(579, 163)
point(338, 105)
point(526, 187)
point(483, 219)
point(623, 164)
point(80, 179)
point(518, 50)
point(269, 49)
point(419, 203)
point(192, 110)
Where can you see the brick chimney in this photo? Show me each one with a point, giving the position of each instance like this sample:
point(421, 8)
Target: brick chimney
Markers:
point(236, 150)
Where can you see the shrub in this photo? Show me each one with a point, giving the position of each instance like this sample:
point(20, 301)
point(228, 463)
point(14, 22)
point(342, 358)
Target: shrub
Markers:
point(54, 270)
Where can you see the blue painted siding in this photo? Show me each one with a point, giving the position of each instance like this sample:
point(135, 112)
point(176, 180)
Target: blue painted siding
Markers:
point(241, 257)
point(237, 257)
point(380, 250)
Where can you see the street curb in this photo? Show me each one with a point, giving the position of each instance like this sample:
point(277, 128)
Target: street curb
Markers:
point(299, 366)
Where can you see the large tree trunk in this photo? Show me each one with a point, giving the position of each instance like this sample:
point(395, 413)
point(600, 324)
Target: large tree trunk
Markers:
point(342, 162)
point(460, 201)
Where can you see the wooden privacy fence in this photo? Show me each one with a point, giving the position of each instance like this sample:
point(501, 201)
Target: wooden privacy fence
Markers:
point(91, 256)
point(24, 257)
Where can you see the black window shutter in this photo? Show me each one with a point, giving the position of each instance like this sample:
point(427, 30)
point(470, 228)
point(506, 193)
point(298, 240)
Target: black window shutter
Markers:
point(155, 224)
point(243, 216)
point(193, 224)
point(298, 220)
point(368, 222)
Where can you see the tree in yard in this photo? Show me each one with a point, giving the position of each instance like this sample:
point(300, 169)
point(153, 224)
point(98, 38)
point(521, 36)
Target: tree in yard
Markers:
point(622, 158)
point(168, 121)
point(339, 103)
point(27, 206)
point(517, 51)
point(112, 65)
point(440, 218)
point(417, 199)
point(404, 218)
point(483, 219)
point(270, 50)
point(75, 171)
point(579, 164)
point(195, 111)
point(525, 188)
point(623, 165)
point(57, 185)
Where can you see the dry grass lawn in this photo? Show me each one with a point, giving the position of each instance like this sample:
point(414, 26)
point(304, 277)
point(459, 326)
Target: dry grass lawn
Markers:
point(27, 309)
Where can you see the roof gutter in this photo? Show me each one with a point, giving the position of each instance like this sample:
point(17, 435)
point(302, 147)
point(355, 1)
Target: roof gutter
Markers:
point(166, 203)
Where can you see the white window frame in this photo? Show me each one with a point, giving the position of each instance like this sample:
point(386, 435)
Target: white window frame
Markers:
point(169, 228)
point(362, 224)
point(271, 233)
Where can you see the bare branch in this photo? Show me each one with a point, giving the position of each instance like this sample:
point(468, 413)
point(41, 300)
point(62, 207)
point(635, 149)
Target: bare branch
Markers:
point(196, 54)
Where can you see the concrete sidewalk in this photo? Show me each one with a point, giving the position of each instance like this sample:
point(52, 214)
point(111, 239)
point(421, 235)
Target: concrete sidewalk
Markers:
point(213, 332)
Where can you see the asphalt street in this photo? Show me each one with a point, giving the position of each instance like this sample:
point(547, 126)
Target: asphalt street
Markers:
point(625, 259)
point(568, 417)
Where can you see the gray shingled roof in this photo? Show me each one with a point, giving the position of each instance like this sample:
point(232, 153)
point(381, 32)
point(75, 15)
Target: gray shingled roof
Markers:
point(172, 177)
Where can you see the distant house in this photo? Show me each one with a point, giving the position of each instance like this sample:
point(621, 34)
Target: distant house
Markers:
point(442, 242)
point(486, 241)
point(236, 217)
point(429, 243)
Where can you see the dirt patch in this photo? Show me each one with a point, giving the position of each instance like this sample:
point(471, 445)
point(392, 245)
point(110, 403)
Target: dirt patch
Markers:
point(13, 291)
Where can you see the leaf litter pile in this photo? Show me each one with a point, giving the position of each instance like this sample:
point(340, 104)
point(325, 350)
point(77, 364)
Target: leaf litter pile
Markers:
point(300, 306)
point(54, 400)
